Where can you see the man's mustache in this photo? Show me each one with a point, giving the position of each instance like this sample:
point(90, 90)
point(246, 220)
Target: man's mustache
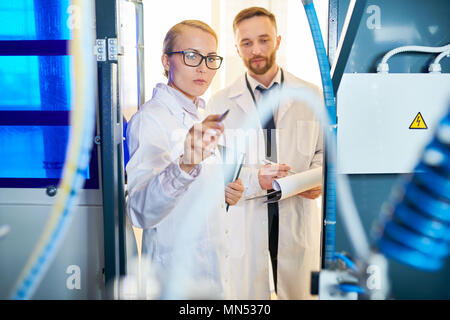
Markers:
point(257, 58)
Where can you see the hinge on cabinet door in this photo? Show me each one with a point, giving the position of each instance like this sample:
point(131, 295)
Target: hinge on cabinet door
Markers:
point(114, 50)
point(100, 49)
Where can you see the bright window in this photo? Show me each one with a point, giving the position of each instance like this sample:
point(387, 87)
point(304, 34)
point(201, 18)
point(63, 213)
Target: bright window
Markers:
point(296, 53)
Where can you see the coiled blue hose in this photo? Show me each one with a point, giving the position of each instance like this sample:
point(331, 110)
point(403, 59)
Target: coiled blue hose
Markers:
point(415, 228)
point(330, 104)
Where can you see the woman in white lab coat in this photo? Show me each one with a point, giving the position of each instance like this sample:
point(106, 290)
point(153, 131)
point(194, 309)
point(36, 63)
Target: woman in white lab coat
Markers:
point(299, 145)
point(176, 192)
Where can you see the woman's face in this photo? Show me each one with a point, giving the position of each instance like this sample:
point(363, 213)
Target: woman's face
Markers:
point(191, 81)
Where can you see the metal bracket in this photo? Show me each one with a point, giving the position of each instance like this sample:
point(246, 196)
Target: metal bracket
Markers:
point(114, 50)
point(100, 49)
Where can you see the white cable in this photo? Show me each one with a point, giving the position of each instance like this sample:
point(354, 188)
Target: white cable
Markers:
point(442, 55)
point(347, 207)
point(435, 67)
point(383, 67)
point(175, 284)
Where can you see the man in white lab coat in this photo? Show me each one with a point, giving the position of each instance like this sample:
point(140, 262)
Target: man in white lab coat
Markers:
point(297, 145)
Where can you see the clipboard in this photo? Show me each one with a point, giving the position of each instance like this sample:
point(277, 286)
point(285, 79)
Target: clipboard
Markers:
point(264, 195)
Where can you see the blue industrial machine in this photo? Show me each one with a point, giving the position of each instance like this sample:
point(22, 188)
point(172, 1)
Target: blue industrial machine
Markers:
point(36, 102)
point(62, 228)
point(385, 120)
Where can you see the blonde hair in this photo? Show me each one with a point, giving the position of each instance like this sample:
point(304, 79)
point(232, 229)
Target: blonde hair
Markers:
point(176, 30)
point(253, 12)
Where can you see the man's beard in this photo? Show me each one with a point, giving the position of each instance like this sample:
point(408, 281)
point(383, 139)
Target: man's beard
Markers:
point(262, 70)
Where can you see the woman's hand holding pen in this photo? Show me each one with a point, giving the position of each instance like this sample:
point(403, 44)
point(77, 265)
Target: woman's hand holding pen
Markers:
point(233, 192)
point(200, 142)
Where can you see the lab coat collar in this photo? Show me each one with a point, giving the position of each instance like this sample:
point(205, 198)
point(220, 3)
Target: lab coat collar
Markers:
point(178, 104)
point(254, 83)
point(239, 92)
point(289, 80)
point(237, 88)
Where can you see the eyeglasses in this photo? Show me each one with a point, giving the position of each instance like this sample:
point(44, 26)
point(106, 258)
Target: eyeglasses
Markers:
point(194, 59)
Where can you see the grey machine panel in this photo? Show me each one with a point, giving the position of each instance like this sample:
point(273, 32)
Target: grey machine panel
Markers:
point(385, 25)
point(76, 270)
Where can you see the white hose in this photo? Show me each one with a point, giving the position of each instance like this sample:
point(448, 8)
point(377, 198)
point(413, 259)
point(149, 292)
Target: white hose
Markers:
point(383, 66)
point(435, 67)
point(194, 215)
point(347, 207)
point(442, 55)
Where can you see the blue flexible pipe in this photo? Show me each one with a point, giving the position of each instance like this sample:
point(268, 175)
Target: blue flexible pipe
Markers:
point(330, 104)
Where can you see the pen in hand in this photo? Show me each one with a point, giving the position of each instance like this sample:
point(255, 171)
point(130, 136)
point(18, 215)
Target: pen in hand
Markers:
point(223, 115)
point(220, 119)
point(274, 163)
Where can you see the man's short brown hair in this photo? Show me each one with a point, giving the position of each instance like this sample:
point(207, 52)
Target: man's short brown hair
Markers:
point(253, 12)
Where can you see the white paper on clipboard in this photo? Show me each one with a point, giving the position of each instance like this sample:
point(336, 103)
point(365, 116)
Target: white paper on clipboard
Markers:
point(297, 183)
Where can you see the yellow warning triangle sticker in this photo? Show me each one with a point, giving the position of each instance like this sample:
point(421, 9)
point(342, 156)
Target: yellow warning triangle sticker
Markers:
point(418, 123)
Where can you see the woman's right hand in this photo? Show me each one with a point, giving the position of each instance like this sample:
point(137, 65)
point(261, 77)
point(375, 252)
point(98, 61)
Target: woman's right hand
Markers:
point(233, 192)
point(200, 142)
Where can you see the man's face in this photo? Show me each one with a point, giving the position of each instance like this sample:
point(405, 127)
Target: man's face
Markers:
point(257, 44)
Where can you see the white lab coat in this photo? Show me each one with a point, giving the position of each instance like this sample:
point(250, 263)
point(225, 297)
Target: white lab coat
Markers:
point(185, 230)
point(300, 145)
